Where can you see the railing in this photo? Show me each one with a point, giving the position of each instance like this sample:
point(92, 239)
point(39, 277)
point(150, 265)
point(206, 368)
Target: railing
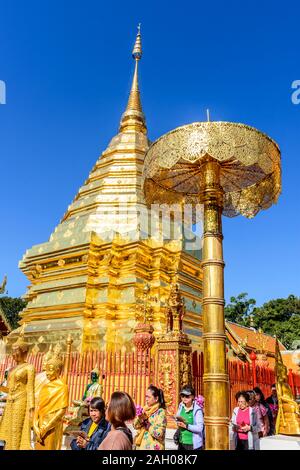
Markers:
point(133, 372)
point(130, 372)
point(242, 376)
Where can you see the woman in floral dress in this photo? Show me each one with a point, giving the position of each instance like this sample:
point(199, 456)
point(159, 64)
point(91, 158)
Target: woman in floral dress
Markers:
point(151, 422)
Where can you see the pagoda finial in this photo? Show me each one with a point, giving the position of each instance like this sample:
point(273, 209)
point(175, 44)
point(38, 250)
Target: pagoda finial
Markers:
point(137, 50)
point(133, 118)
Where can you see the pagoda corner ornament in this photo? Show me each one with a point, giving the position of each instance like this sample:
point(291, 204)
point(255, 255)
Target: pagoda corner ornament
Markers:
point(173, 353)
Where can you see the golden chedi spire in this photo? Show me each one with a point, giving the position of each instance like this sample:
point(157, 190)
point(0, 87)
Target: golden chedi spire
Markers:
point(133, 118)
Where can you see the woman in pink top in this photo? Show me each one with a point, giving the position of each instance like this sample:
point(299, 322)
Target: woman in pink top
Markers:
point(120, 409)
point(243, 431)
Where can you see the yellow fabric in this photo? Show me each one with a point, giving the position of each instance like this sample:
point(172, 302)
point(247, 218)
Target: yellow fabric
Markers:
point(53, 397)
point(148, 411)
point(40, 381)
point(52, 404)
point(92, 429)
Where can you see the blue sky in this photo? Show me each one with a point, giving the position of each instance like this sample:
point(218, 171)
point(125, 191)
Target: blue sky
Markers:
point(67, 68)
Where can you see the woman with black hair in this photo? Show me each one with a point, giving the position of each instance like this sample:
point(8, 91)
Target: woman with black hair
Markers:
point(243, 425)
point(264, 411)
point(94, 429)
point(152, 422)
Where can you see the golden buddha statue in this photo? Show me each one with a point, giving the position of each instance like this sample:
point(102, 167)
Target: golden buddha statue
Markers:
point(51, 407)
point(41, 378)
point(288, 418)
point(16, 422)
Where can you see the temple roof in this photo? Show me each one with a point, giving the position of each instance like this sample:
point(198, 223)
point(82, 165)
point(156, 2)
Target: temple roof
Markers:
point(244, 340)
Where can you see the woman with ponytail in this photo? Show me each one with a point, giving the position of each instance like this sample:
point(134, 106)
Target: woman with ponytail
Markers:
point(151, 423)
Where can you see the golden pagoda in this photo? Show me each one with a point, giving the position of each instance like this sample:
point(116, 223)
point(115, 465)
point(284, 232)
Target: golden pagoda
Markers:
point(88, 278)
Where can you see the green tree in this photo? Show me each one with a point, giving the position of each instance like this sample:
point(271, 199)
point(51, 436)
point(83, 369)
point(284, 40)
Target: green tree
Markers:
point(12, 307)
point(240, 309)
point(280, 317)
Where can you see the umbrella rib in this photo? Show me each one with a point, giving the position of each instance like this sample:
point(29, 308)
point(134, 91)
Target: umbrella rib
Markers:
point(178, 174)
point(183, 181)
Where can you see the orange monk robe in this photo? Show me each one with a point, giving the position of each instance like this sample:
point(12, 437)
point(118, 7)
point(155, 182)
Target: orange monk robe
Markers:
point(52, 404)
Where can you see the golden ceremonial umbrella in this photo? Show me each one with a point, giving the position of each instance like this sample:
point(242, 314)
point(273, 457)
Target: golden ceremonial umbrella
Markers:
point(231, 169)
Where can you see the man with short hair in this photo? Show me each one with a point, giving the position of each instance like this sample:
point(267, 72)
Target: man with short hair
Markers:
point(272, 401)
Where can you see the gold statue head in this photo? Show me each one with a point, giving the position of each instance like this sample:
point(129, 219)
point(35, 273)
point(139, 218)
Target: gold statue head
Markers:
point(47, 357)
point(20, 347)
point(55, 364)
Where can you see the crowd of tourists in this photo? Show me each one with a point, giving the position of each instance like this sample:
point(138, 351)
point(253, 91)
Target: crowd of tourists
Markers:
point(107, 426)
point(253, 418)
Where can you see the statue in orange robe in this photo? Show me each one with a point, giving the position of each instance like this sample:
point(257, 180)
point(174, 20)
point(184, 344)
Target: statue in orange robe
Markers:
point(51, 407)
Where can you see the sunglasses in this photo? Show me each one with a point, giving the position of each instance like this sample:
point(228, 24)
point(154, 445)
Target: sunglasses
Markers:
point(183, 395)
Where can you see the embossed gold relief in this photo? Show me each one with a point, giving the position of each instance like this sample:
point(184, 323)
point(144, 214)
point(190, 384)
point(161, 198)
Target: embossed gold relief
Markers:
point(166, 378)
point(185, 369)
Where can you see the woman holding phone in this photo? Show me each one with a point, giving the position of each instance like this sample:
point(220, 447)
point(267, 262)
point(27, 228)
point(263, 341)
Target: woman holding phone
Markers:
point(93, 429)
point(190, 421)
point(244, 426)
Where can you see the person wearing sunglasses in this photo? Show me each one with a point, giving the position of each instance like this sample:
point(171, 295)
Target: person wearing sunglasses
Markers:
point(190, 421)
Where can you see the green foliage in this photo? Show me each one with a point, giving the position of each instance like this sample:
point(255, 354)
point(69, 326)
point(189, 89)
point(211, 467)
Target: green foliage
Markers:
point(240, 309)
point(280, 317)
point(11, 307)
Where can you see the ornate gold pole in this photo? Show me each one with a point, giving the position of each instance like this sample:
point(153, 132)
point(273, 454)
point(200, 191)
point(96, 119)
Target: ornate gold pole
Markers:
point(232, 169)
point(215, 377)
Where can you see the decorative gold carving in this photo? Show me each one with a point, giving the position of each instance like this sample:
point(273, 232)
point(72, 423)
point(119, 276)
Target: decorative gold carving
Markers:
point(185, 369)
point(144, 306)
point(166, 377)
point(175, 310)
point(61, 263)
point(250, 173)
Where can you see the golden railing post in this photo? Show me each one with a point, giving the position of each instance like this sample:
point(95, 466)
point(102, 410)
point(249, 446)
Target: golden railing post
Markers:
point(67, 358)
point(215, 378)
